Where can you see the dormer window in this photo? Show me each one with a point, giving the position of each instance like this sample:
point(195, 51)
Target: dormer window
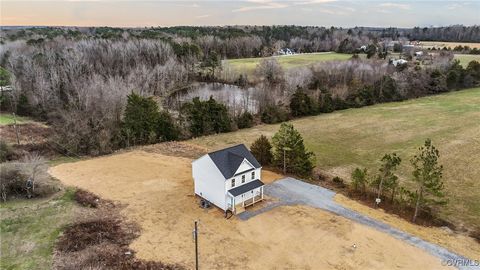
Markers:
point(243, 179)
point(233, 182)
point(253, 175)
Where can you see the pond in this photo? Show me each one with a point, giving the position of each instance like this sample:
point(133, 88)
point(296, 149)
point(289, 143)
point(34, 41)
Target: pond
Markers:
point(237, 99)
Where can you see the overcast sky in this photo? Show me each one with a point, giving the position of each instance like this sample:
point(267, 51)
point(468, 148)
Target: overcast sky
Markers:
point(129, 13)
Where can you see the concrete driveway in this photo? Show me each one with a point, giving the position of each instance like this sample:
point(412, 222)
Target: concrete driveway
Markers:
point(290, 191)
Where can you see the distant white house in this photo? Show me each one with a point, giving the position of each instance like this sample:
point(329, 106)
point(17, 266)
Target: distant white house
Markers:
point(398, 62)
point(229, 178)
point(285, 51)
point(419, 53)
point(6, 88)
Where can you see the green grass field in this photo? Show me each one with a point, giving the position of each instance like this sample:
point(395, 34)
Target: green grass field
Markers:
point(29, 229)
point(7, 119)
point(248, 65)
point(466, 58)
point(346, 139)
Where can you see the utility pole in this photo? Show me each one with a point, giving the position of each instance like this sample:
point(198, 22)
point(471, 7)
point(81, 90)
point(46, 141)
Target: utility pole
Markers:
point(195, 237)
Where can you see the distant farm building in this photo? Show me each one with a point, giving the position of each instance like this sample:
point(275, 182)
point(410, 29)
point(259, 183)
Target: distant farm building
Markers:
point(229, 178)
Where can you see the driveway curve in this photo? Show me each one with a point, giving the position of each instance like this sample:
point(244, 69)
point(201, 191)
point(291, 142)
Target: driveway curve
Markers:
point(290, 191)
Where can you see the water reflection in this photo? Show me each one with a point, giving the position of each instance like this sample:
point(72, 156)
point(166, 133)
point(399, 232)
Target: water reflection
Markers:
point(237, 99)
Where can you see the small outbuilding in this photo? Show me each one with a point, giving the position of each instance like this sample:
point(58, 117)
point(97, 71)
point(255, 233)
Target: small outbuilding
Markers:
point(229, 178)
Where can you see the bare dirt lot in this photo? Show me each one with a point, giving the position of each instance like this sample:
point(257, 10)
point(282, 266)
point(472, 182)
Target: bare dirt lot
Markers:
point(158, 192)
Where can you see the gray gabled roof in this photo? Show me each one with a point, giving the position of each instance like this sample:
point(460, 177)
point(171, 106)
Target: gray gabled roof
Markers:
point(229, 159)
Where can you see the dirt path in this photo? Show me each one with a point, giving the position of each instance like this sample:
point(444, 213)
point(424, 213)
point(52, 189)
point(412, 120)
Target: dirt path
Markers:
point(158, 192)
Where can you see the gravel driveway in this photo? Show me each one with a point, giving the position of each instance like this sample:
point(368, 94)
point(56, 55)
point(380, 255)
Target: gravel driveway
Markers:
point(291, 191)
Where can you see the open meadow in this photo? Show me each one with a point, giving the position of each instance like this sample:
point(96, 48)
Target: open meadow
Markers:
point(466, 58)
point(353, 138)
point(248, 65)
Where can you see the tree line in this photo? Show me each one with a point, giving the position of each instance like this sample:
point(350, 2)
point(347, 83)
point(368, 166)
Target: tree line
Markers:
point(251, 41)
point(82, 87)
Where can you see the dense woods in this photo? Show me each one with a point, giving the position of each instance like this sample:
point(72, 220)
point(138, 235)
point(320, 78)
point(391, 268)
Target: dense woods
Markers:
point(90, 84)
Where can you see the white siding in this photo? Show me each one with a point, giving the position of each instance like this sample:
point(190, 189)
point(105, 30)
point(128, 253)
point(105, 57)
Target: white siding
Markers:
point(209, 181)
point(238, 179)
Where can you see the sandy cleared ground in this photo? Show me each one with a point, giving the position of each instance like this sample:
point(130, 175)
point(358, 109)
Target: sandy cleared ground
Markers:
point(444, 237)
point(158, 190)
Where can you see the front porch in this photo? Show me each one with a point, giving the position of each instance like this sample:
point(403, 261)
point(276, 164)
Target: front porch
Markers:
point(250, 194)
point(241, 206)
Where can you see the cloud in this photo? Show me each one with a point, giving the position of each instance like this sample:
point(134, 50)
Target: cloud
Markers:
point(312, 2)
point(269, 4)
point(202, 16)
point(395, 5)
point(262, 5)
point(457, 5)
point(194, 5)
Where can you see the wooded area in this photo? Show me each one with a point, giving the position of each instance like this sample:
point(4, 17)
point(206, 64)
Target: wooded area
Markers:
point(78, 79)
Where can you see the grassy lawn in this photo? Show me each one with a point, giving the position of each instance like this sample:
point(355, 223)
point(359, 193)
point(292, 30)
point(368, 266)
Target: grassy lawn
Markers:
point(466, 58)
point(346, 139)
point(29, 229)
point(7, 118)
point(248, 65)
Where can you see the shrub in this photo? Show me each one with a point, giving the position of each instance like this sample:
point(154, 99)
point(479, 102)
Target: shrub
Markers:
point(338, 182)
point(81, 235)
point(140, 121)
point(262, 150)
point(5, 102)
point(6, 152)
point(26, 178)
point(86, 198)
point(245, 120)
point(325, 103)
point(23, 106)
point(143, 123)
point(301, 104)
point(167, 130)
point(274, 114)
point(359, 179)
point(206, 117)
point(476, 234)
point(13, 181)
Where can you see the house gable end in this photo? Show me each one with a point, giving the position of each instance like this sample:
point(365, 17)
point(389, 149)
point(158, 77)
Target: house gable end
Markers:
point(245, 166)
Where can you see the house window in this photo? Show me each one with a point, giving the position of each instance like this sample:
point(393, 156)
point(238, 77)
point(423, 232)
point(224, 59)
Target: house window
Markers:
point(233, 182)
point(253, 175)
point(243, 179)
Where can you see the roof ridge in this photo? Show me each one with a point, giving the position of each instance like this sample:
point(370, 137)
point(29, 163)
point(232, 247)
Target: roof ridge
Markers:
point(223, 149)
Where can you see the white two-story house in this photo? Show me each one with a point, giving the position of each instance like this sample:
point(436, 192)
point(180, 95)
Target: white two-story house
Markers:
point(229, 178)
